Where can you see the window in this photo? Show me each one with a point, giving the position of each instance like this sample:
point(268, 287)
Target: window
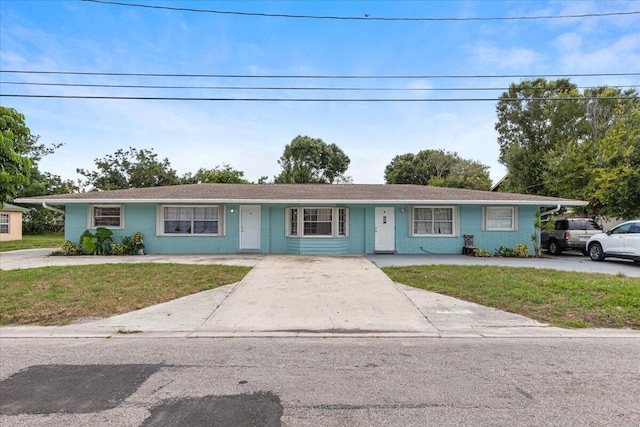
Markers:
point(293, 222)
point(108, 216)
point(500, 218)
point(436, 221)
point(4, 223)
point(191, 220)
point(317, 222)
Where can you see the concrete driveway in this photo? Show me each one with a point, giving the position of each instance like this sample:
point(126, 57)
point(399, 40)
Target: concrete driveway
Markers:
point(289, 295)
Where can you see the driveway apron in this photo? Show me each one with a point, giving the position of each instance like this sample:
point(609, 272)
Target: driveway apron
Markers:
point(307, 295)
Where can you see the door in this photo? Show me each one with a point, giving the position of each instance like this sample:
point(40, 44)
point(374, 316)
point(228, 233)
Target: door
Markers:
point(615, 241)
point(385, 230)
point(250, 227)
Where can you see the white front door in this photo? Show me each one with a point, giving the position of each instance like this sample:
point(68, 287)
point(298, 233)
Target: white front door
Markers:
point(249, 227)
point(385, 229)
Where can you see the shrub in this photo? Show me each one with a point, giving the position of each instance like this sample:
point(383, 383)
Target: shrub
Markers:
point(68, 248)
point(520, 251)
point(133, 245)
point(117, 249)
point(481, 253)
point(98, 243)
point(36, 221)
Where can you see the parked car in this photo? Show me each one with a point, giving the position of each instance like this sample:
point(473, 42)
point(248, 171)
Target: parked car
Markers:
point(569, 233)
point(622, 241)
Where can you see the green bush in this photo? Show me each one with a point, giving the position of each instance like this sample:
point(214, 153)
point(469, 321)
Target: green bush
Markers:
point(96, 243)
point(117, 249)
point(520, 251)
point(481, 253)
point(68, 248)
point(36, 221)
point(134, 244)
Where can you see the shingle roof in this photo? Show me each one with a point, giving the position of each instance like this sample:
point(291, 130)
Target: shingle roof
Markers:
point(302, 193)
point(8, 207)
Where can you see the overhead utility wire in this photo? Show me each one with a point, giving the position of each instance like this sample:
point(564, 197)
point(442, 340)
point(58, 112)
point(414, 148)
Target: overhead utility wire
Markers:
point(319, 76)
point(311, 88)
point(167, 98)
point(365, 17)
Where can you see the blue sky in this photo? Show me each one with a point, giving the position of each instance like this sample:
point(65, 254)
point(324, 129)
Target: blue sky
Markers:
point(249, 135)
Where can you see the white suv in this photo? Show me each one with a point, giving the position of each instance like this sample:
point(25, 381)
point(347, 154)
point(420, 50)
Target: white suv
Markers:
point(622, 241)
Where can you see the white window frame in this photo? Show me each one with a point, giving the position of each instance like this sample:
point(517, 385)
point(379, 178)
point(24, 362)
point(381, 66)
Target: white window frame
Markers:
point(5, 225)
point(454, 221)
point(487, 226)
point(160, 221)
point(92, 217)
point(298, 230)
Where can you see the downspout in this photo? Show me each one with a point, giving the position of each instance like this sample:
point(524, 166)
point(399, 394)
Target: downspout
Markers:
point(51, 208)
point(552, 211)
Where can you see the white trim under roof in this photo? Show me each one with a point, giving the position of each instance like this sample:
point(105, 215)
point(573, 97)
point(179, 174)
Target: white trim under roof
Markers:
point(61, 201)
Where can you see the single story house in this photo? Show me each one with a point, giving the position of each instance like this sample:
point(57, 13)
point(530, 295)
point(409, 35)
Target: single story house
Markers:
point(11, 222)
point(306, 218)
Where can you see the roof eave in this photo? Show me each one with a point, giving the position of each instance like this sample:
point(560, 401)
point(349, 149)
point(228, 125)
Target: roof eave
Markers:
point(57, 201)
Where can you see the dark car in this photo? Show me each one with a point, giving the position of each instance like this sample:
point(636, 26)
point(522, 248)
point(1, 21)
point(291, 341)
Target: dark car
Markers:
point(569, 233)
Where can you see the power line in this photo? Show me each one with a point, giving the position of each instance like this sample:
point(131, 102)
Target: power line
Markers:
point(291, 88)
point(365, 17)
point(220, 99)
point(318, 76)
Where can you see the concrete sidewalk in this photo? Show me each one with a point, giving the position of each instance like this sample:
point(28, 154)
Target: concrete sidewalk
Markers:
point(302, 296)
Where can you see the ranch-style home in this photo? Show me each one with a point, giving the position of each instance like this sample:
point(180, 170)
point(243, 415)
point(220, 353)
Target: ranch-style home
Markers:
point(11, 222)
point(306, 218)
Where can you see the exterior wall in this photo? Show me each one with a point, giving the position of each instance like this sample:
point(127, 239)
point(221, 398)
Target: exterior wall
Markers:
point(360, 239)
point(15, 227)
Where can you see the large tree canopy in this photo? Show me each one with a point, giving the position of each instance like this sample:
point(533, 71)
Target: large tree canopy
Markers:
point(133, 168)
point(439, 168)
point(224, 174)
point(15, 165)
point(311, 160)
point(557, 141)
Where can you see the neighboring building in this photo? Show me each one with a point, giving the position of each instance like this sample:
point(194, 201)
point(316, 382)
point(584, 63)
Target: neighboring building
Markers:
point(306, 218)
point(11, 222)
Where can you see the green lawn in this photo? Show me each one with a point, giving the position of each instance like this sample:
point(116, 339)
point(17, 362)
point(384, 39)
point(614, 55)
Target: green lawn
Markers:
point(560, 298)
point(59, 295)
point(48, 240)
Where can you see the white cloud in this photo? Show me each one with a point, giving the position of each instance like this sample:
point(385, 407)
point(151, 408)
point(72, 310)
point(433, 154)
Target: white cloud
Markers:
point(509, 58)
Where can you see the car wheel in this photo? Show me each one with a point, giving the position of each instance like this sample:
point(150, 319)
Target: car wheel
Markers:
point(595, 252)
point(554, 248)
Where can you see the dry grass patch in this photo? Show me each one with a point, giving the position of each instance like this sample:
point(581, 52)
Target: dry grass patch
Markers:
point(59, 295)
point(561, 298)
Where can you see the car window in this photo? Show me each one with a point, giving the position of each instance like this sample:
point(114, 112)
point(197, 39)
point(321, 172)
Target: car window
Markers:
point(635, 228)
point(584, 224)
point(561, 225)
point(621, 229)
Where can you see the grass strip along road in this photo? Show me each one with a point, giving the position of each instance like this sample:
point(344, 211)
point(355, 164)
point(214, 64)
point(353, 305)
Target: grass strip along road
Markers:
point(59, 295)
point(560, 298)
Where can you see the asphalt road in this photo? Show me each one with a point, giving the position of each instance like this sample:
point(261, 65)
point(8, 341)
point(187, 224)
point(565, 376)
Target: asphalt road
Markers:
point(320, 382)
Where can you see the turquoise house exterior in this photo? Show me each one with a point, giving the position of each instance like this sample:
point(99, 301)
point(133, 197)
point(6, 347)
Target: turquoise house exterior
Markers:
point(306, 218)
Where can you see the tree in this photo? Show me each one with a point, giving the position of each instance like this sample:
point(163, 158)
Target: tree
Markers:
point(532, 121)
point(585, 147)
point(438, 168)
point(604, 171)
point(15, 166)
point(224, 174)
point(130, 169)
point(311, 160)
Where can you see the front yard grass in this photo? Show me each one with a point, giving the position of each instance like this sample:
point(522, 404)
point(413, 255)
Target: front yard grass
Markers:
point(560, 298)
point(47, 240)
point(59, 295)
